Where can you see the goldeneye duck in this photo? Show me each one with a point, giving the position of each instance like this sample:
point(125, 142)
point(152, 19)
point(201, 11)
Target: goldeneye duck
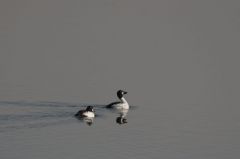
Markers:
point(89, 112)
point(122, 104)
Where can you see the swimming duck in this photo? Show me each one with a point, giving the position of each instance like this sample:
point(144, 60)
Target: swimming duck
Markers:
point(122, 104)
point(88, 112)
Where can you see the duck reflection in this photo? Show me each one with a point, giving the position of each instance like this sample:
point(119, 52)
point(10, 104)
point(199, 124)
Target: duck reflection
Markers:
point(121, 119)
point(87, 120)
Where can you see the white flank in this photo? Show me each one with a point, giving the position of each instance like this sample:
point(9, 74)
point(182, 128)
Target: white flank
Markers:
point(89, 114)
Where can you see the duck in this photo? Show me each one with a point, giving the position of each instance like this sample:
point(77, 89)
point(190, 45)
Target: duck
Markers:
point(88, 112)
point(122, 104)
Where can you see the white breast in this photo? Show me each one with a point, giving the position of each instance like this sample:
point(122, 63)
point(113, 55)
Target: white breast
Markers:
point(89, 114)
point(122, 105)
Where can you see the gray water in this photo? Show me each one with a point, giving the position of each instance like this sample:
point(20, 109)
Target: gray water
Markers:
point(179, 61)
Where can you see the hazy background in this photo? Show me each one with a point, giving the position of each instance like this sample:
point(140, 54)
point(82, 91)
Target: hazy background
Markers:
point(177, 58)
point(85, 50)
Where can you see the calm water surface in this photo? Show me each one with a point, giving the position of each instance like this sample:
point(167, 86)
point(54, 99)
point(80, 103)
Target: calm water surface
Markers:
point(49, 130)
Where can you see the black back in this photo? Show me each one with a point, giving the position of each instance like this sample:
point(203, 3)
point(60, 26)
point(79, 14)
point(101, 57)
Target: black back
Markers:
point(79, 113)
point(111, 104)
